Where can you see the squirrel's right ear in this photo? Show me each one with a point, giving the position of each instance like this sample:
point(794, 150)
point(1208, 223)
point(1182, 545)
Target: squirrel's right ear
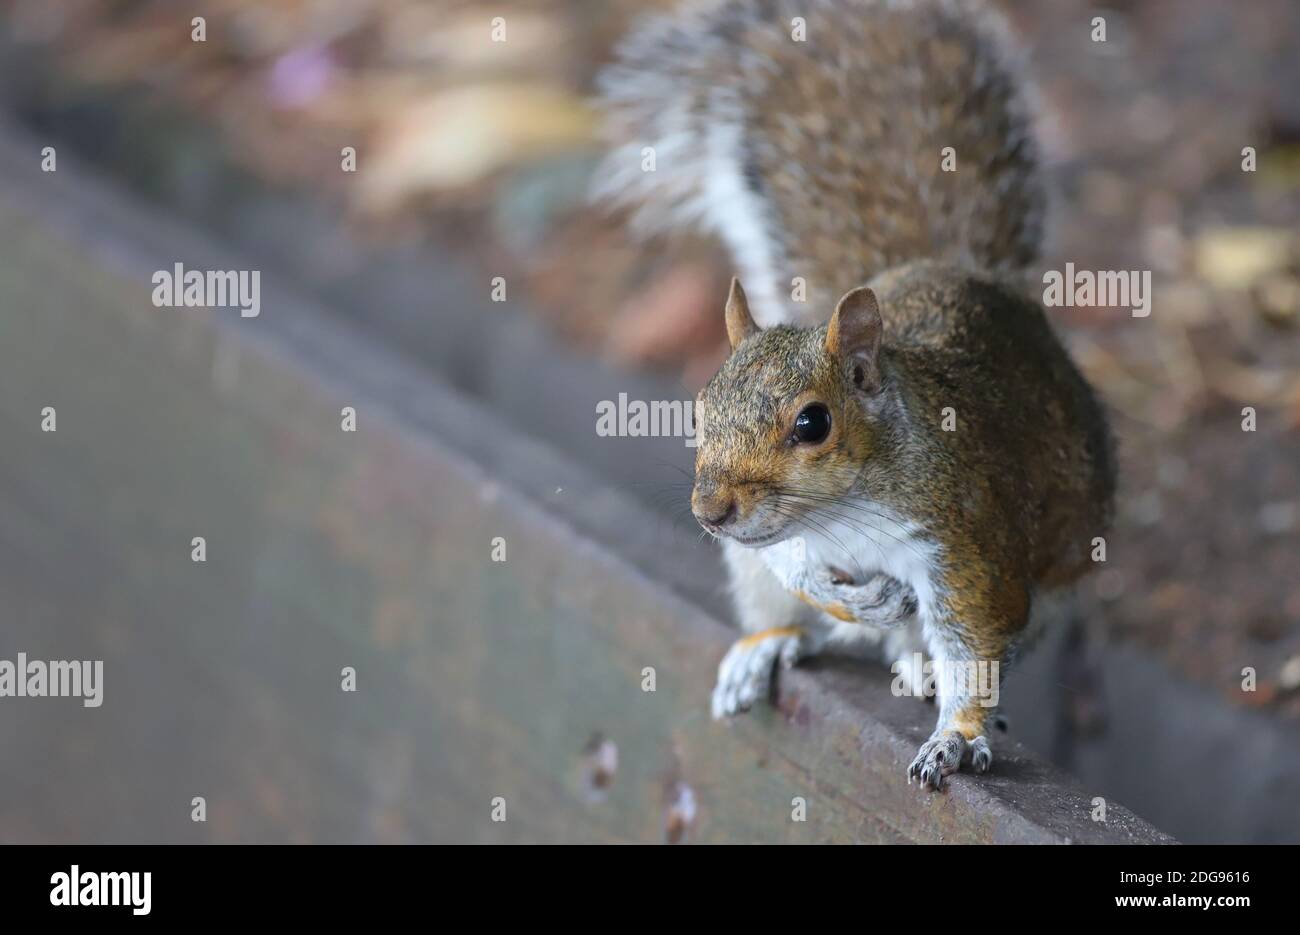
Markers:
point(740, 324)
point(854, 333)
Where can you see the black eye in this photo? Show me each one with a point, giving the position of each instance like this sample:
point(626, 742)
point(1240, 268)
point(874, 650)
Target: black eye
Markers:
point(812, 424)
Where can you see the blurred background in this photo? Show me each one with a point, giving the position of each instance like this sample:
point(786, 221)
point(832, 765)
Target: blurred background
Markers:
point(473, 160)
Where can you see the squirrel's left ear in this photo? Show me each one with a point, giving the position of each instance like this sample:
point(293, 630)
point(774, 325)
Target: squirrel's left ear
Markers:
point(740, 324)
point(854, 333)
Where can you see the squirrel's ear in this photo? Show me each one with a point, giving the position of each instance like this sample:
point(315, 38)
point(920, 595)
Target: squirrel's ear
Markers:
point(854, 332)
point(740, 324)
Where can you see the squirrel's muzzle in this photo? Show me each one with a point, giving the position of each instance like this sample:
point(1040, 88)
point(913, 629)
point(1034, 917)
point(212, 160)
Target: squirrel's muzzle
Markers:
point(713, 508)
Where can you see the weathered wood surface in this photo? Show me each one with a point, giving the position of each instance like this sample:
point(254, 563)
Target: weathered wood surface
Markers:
point(328, 549)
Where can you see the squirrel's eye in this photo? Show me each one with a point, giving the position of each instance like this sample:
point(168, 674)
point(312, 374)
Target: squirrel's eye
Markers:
point(812, 424)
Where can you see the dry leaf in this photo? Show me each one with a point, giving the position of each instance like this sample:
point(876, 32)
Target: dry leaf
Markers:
point(1234, 257)
point(462, 135)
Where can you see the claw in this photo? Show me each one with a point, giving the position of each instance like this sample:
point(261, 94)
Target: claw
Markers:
point(745, 673)
point(943, 754)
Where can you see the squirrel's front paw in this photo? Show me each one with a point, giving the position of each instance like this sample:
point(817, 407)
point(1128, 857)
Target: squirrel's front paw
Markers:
point(881, 600)
point(745, 673)
point(944, 753)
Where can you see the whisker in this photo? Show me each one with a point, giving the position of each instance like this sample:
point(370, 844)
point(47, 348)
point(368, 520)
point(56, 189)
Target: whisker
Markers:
point(844, 510)
point(806, 521)
point(802, 519)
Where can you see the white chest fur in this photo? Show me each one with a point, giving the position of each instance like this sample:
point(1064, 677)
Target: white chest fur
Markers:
point(860, 537)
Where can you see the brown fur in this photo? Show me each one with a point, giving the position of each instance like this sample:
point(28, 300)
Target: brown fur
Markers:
point(842, 136)
point(762, 635)
point(873, 119)
point(822, 162)
point(1014, 496)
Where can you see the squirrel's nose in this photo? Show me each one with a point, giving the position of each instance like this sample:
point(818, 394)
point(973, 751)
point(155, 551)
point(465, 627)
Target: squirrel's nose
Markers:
point(715, 513)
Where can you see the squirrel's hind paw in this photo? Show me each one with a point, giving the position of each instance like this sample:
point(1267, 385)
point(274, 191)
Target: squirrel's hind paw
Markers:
point(745, 673)
point(944, 753)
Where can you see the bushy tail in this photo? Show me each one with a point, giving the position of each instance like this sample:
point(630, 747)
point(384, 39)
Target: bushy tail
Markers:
point(826, 140)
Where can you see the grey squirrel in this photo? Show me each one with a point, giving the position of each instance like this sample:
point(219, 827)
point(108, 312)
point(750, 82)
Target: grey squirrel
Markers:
point(907, 461)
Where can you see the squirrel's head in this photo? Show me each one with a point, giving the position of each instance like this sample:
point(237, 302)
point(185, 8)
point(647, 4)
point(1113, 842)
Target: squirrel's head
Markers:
point(785, 426)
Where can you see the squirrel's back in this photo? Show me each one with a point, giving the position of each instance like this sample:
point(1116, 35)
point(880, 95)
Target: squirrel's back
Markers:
point(814, 137)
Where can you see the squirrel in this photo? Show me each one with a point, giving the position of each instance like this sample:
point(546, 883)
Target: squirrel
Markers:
point(907, 461)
